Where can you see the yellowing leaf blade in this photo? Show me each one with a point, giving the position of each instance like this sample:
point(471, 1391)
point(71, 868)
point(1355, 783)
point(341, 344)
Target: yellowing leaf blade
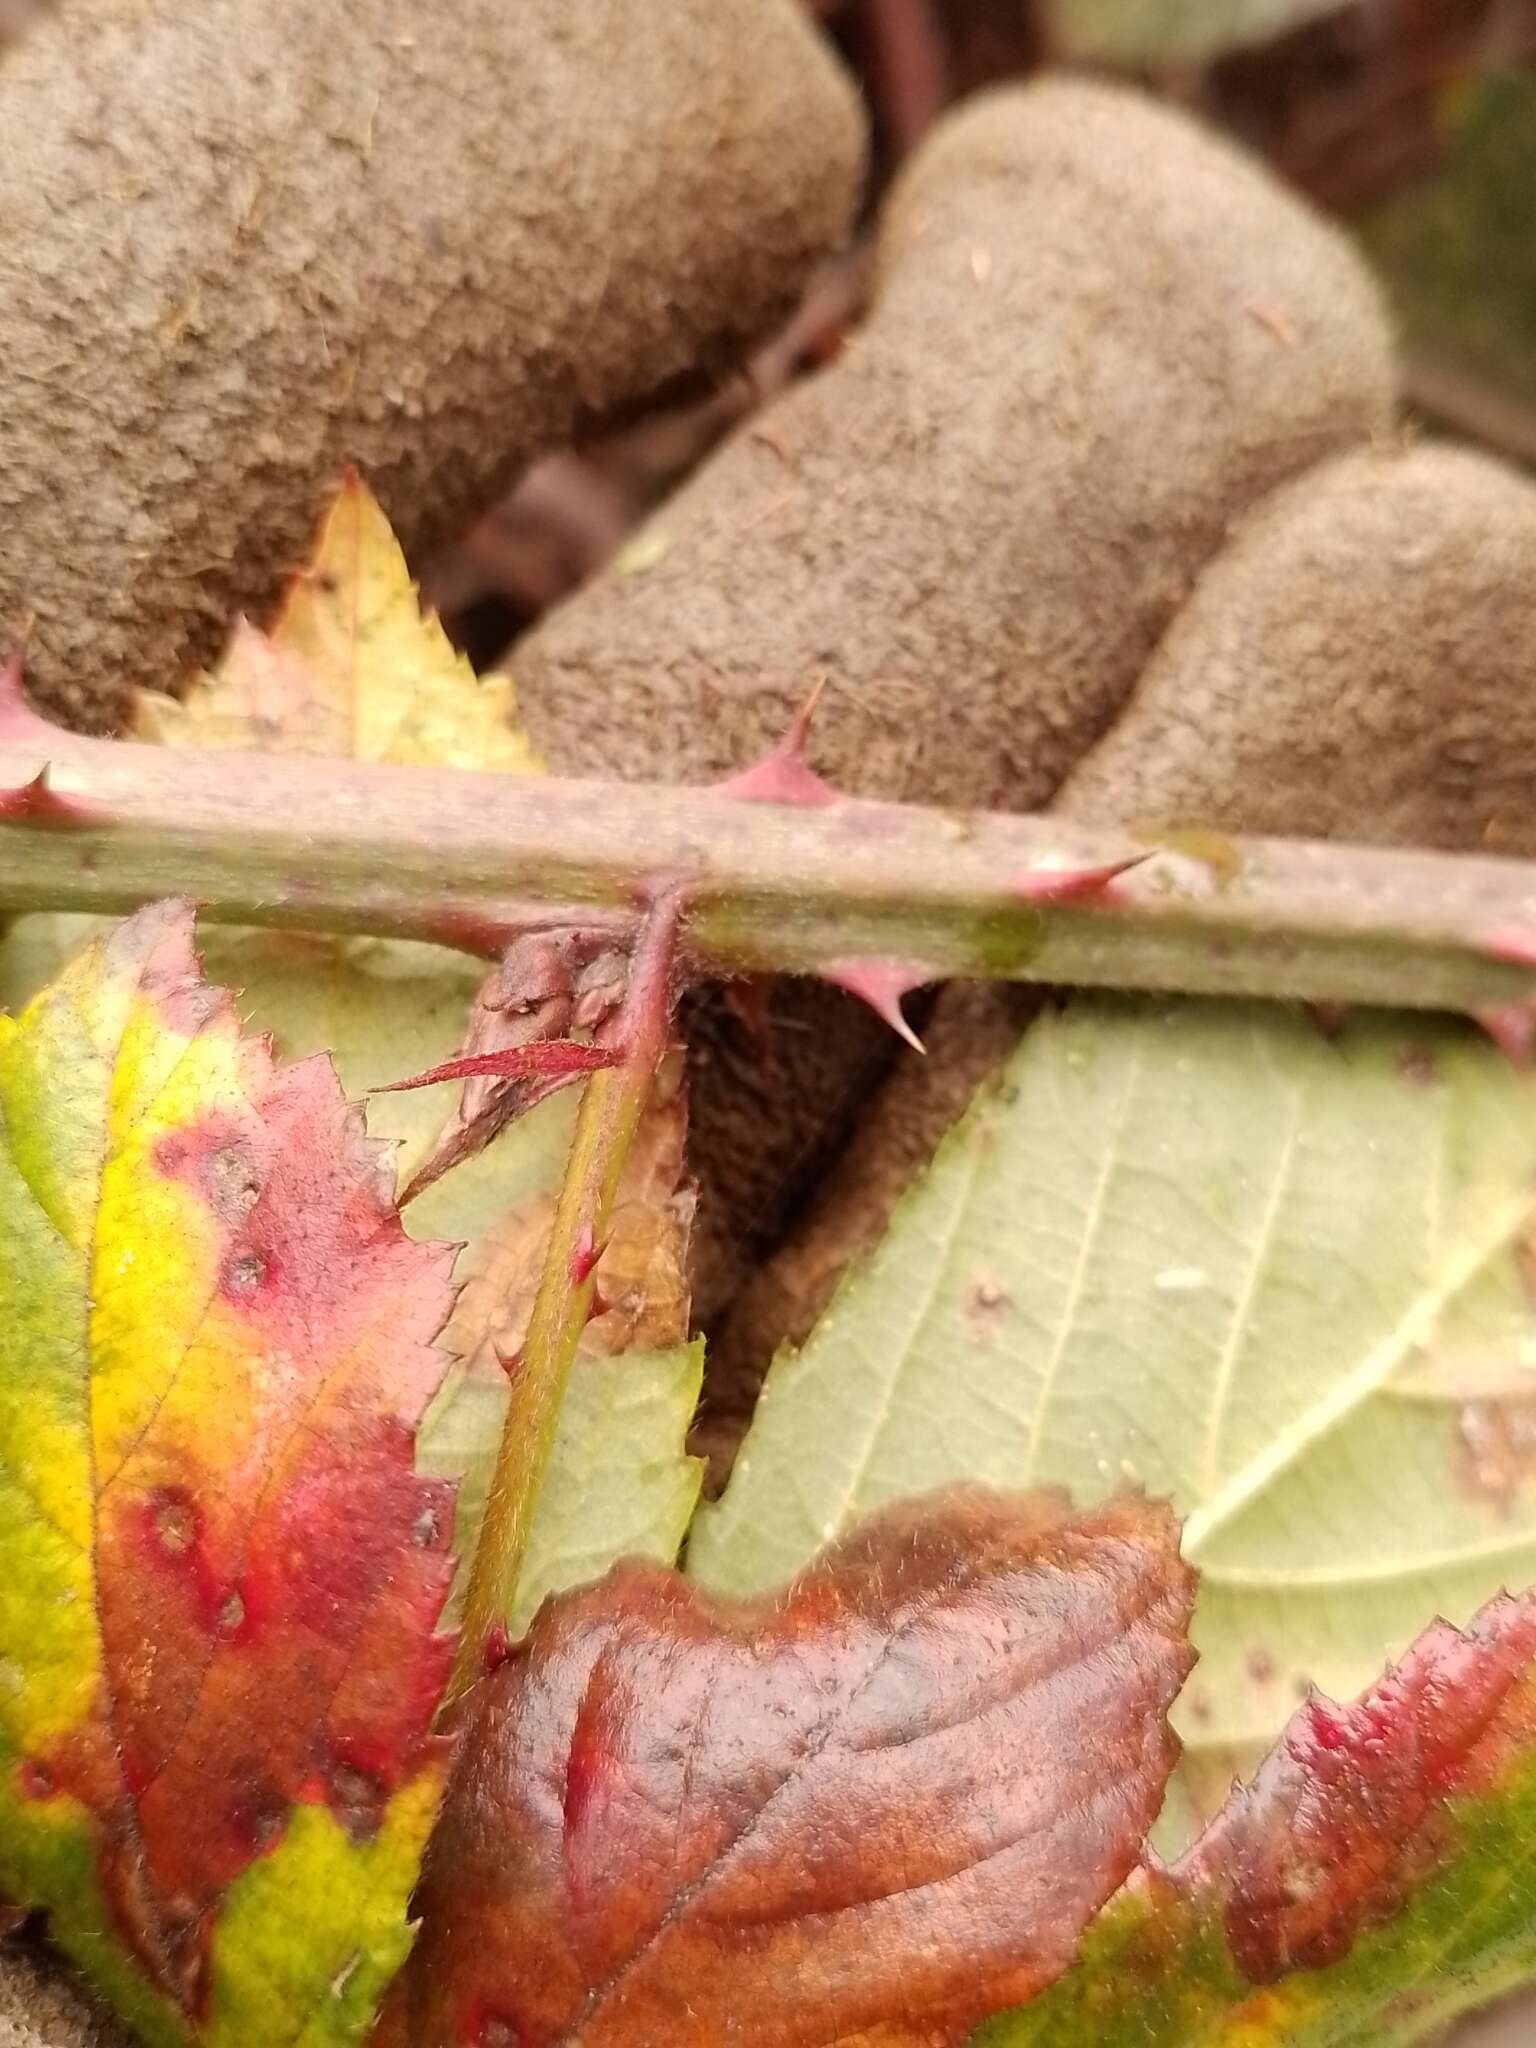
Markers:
point(218, 1631)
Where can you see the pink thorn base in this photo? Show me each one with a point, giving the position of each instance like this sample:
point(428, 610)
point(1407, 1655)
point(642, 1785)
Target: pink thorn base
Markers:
point(38, 803)
point(1074, 885)
point(1511, 942)
point(1512, 1027)
point(783, 775)
point(882, 984)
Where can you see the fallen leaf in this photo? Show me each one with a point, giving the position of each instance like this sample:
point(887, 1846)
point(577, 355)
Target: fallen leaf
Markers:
point(218, 1629)
point(1376, 1878)
point(868, 1810)
point(1260, 1271)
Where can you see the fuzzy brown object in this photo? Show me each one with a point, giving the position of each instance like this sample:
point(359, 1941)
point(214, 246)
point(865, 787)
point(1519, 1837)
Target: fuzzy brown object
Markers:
point(40, 2007)
point(1100, 334)
point(1358, 664)
point(244, 242)
point(1355, 665)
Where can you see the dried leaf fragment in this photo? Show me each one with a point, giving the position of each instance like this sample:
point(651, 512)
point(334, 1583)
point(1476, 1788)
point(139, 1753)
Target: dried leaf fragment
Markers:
point(869, 1809)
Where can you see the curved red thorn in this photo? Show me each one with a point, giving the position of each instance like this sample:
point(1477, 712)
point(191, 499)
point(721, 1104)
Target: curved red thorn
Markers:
point(498, 1647)
point(1074, 885)
point(882, 984)
point(1512, 942)
point(559, 1058)
point(38, 803)
point(783, 775)
point(1512, 1027)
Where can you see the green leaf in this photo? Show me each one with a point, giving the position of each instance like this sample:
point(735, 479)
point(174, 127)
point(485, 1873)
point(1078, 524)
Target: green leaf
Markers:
point(619, 1483)
point(1205, 1249)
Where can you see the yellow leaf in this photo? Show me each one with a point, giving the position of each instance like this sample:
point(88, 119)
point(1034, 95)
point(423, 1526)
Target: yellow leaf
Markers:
point(352, 668)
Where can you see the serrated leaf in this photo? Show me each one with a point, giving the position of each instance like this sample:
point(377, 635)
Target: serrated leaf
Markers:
point(1204, 1248)
point(218, 1623)
point(352, 667)
point(1376, 1879)
point(867, 1811)
point(620, 1482)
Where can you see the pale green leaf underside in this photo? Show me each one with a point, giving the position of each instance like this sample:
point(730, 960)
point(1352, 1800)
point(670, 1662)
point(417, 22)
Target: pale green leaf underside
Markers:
point(620, 1482)
point(1175, 31)
point(1205, 1249)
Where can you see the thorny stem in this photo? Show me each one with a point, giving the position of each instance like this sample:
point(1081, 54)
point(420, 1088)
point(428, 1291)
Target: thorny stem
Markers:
point(611, 1106)
point(469, 860)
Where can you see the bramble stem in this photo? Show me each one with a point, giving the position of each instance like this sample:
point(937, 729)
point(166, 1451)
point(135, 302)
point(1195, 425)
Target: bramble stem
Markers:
point(470, 859)
point(611, 1105)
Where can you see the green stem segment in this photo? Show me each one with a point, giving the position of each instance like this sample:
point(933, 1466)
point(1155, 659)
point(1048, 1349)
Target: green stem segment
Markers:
point(469, 860)
point(611, 1106)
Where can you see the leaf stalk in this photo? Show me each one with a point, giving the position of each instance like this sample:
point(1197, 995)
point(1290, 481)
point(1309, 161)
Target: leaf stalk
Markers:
point(612, 1103)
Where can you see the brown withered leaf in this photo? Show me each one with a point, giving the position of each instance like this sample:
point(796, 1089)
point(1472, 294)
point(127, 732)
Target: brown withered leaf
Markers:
point(870, 1809)
point(642, 1297)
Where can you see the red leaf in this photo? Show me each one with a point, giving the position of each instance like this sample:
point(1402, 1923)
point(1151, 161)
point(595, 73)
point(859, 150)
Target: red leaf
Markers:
point(874, 1808)
point(1346, 1816)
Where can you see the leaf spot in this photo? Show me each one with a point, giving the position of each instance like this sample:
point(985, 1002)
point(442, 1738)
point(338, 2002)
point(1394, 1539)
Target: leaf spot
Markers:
point(173, 1521)
point(244, 1273)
